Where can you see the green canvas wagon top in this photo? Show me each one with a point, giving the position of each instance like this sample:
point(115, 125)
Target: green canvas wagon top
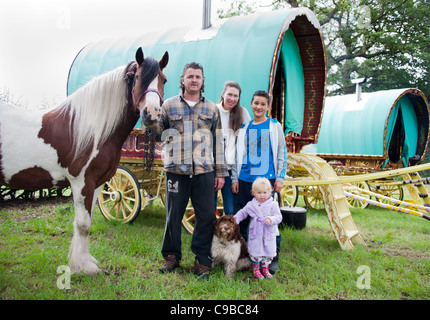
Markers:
point(281, 52)
point(390, 126)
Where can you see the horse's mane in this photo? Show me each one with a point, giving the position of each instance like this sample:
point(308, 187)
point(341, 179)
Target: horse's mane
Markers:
point(96, 109)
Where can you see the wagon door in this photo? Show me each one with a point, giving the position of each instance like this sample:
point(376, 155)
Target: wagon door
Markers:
point(402, 132)
point(289, 90)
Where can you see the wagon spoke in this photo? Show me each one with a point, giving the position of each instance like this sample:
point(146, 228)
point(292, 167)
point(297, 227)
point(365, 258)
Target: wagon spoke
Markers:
point(129, 199)
point(110, 185)
point(125, 203)
point(107, 200)
point(116, 182)
point(124, 215)
point(316, 203)
point(120, 181)
point(118, 210)
point(112, 209)
point(190, 217)
point(125, 185)
point(355, 203)
point(128, 191)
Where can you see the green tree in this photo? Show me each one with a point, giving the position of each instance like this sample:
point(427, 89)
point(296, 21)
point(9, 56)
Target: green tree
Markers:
point(386, 41)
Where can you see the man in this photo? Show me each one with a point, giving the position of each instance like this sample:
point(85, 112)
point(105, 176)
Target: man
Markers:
point(189, 124)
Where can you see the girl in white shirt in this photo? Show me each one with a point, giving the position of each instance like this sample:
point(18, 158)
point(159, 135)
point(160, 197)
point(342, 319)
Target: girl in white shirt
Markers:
point(233, 115)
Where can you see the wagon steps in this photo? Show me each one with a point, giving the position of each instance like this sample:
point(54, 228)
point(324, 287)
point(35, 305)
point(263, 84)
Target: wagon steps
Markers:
point(336, 206)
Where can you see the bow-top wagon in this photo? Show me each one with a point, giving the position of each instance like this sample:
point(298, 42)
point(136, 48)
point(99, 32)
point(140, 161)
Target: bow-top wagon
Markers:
point(373, 132)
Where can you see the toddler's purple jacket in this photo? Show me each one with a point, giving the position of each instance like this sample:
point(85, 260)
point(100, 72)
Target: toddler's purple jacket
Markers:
point(261, 237)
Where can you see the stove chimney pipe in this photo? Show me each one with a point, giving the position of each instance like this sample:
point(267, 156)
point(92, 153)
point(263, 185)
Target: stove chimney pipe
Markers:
point(206, 14)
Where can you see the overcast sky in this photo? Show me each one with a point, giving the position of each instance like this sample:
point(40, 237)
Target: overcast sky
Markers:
point(40, 38)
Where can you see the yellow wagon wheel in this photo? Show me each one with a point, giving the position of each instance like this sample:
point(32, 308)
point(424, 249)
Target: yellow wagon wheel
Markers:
point(313, 198)
point(354, 203)
point(119, 198)
point(288, 196)
point(189, 218)
point(391, 191)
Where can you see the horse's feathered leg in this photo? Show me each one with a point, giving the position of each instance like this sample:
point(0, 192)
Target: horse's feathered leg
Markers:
point(80, 259)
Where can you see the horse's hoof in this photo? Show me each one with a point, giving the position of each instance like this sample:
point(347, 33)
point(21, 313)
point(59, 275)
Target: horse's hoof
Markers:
point(88, 269)
point(89, 266)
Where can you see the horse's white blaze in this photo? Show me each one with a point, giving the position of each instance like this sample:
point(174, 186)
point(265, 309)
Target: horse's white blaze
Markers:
point(19, 136)
point(152, 100)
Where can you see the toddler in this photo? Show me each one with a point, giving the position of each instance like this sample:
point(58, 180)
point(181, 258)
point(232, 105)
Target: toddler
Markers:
point(263, 228)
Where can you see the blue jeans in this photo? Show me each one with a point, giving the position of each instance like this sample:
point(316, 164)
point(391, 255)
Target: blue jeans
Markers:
point(227, 196)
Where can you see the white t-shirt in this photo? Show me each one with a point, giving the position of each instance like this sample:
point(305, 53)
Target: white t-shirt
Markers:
point(229, 135)
point(191, 103)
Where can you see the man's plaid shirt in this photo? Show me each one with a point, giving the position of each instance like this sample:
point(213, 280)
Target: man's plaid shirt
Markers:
point(191, 134)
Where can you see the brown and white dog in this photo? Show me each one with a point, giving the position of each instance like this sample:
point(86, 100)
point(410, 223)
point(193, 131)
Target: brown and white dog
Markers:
point(228, 246)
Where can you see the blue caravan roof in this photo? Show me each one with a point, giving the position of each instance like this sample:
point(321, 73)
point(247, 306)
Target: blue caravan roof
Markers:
point(252, 50)
point(377, 125)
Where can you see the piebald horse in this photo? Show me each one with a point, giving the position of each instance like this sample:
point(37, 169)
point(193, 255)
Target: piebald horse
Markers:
point(79, 142)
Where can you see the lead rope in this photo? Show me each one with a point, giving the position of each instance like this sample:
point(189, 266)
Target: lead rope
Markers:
point(148, 155)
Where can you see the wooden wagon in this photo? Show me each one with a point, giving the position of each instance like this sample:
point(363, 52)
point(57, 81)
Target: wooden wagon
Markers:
point(372, 132)
point(281, 52)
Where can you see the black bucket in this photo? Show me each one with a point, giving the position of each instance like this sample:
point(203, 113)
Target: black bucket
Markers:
point(294, 217)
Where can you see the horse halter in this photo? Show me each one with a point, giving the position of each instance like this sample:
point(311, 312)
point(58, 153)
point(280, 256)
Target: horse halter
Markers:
point(137, 101)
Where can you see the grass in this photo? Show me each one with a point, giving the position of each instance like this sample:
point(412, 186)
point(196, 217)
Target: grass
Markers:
point(35, 238)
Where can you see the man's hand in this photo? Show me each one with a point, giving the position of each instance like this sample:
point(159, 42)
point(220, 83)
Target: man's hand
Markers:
point(219, 183)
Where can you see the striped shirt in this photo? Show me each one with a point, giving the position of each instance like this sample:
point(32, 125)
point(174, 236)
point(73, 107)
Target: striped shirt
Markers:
point(191, 134)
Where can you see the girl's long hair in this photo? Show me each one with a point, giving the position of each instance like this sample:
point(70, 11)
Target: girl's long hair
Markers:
point(236, 114)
